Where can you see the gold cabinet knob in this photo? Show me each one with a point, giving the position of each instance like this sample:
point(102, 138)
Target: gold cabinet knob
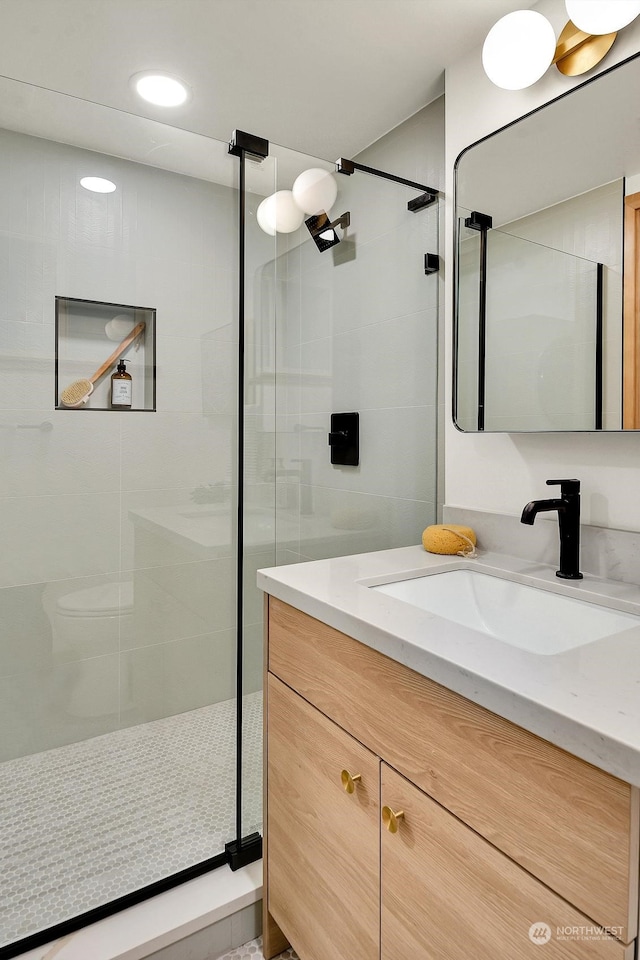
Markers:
point(391, 819)
point(349, 780)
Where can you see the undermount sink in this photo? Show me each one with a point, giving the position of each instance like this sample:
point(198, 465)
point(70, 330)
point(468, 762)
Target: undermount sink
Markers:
point(521, 615)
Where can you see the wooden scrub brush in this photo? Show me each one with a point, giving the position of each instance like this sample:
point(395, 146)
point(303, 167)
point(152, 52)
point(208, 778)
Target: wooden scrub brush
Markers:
point(78, 392)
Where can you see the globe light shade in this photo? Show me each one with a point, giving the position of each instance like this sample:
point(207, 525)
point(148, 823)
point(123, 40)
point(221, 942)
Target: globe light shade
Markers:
point(518, 50)
point(315, 190)
point(279, 213)
point(602, 16)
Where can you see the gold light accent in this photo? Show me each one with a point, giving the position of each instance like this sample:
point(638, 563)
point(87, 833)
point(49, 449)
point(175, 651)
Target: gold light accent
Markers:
point(349, 781)
point(520, 46)
point(391, 820)
point(577, 51)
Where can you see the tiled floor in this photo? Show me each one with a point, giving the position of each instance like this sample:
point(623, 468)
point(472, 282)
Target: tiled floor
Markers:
point(253, 951)
point(86, 823)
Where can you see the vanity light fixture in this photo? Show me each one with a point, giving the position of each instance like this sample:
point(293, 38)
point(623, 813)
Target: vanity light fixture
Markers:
point(602, 16)
point(97, 184)
point(518, 49)
point(521, 46)
point(161, 89)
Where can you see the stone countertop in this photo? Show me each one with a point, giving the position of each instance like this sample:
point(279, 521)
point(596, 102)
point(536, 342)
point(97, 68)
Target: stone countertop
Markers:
point(585, 700)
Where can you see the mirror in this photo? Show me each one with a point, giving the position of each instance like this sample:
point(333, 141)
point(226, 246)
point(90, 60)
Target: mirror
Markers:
point(546, 320)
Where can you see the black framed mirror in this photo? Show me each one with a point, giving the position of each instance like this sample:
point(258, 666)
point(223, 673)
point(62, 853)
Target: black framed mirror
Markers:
point(545, 303)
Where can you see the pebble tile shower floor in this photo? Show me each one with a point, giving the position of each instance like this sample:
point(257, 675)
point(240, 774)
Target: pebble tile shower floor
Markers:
point(84, 824)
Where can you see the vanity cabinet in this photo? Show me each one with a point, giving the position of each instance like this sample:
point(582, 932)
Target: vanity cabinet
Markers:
point(500, 830)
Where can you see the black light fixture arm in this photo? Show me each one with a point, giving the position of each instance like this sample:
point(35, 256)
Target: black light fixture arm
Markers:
point(348, 167)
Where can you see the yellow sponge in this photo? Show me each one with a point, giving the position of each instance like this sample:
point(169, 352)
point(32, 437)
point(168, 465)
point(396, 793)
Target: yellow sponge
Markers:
point(448, 538)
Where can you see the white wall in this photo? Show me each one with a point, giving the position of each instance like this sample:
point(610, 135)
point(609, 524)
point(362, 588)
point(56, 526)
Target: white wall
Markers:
point(502, 472)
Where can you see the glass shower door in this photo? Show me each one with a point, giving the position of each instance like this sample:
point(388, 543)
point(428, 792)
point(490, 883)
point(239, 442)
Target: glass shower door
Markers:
point(118, 664)
point(356, 331)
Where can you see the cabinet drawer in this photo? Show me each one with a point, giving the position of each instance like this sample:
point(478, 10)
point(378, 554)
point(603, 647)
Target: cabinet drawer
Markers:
point(566, 822)
point(322, 843)
point(447, 893)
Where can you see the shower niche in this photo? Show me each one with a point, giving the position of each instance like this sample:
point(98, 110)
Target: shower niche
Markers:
point(91, 338)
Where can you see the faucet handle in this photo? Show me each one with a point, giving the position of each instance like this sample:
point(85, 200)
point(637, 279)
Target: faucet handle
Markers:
point(566, 486)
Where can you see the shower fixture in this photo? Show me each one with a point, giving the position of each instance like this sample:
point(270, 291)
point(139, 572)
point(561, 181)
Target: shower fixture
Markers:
point(324, 232)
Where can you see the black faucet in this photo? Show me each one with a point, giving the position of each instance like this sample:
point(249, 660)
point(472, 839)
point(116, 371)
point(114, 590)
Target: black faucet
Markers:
point(568, 507)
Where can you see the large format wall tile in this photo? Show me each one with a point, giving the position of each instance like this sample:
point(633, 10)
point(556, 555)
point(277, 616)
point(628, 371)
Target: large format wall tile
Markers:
point(165, 450)
point(396, 366)
point(182, 600)
point(397, 453)
point(58, 537)
point(27, 365)
point(27, 268)
point(26, 630)
point(345, 522)
point(161, 527)
point(59, 452)
point(172, 677)
point(385, 279)
point(48, 707)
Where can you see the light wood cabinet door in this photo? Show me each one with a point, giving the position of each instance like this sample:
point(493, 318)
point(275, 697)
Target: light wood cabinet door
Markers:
point(448, 894)
point(323, 842)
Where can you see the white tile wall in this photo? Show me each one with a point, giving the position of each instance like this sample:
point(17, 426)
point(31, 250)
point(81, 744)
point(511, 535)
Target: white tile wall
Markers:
point(357, 330)
point(176, 676)
point(73, 481)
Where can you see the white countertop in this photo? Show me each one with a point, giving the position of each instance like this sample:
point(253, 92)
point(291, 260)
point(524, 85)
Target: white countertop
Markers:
point(585, 700)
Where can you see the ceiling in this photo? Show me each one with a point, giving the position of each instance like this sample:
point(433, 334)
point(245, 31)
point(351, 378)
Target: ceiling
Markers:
point(326, 77)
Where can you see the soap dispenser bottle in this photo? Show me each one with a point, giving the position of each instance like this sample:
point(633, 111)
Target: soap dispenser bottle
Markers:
point(121, 387)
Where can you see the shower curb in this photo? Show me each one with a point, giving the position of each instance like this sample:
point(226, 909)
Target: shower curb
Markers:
point(223, 900)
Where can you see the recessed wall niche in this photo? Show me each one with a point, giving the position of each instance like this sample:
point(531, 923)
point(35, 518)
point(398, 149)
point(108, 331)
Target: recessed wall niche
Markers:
point(91, 334)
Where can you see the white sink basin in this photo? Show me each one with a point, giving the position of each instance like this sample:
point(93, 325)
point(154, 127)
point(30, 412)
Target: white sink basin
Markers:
point(521, 615)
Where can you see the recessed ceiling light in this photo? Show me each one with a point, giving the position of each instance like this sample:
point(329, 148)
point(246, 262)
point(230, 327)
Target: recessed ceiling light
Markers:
point(160, 88)
point(97, 184)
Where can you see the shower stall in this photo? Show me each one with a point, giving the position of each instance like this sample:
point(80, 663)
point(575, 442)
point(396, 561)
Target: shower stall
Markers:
point(130, 624)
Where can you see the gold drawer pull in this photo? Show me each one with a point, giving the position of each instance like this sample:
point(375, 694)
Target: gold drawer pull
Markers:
point(390, 819)
point(349, 781)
